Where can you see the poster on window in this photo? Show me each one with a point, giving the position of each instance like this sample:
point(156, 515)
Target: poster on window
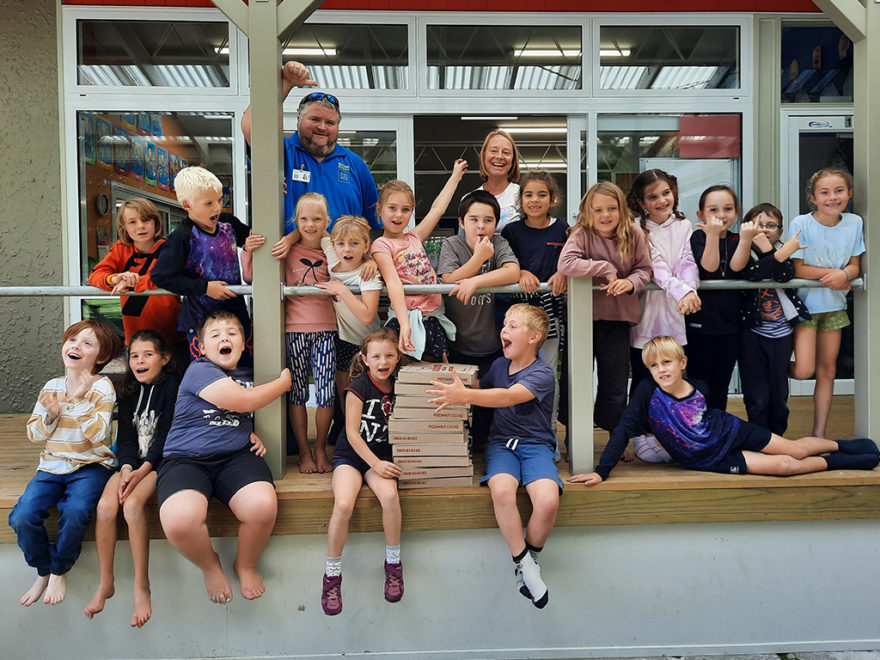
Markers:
point(156, 124)
point(121, 151)
point(137, 158)
point(162, 176)
point(130, 120)
point(173, 168)
point(226, 182)
point(87, 132)
point(150, 162)
point(143, 123)
point(105, 144)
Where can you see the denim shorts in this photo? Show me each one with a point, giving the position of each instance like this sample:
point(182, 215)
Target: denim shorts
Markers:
point(527, 460)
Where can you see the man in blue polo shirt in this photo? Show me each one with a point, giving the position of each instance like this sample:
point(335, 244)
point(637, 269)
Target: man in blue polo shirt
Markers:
point(314, 162)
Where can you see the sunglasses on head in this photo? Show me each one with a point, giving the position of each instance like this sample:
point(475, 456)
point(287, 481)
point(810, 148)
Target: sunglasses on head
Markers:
point(320, 96)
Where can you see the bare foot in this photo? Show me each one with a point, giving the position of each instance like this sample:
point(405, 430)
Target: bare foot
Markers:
point(251, 583)
point(219, 589)
point(55, 590)
point(96, 604)
point(324, 465)
point(143, 608)
point(33, 594)
point(307, 464)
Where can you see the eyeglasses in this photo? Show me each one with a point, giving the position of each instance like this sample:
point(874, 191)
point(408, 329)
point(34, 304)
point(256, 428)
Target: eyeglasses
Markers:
point(771, 227)
point(320, 96)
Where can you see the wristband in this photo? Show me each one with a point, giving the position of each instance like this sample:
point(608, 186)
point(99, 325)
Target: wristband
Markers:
point(845, 272)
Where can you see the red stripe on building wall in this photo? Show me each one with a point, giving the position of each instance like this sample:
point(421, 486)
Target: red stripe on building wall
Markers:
point(592, 6)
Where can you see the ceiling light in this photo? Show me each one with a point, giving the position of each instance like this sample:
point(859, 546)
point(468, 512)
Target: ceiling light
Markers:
point(546, 52)
point(614, 52)
point(294, 52)
point(489, 118)
point(534, 129)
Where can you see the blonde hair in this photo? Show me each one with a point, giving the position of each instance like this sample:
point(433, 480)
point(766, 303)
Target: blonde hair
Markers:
point(316, 198)
point(535, 319)
point(625, 236)
point(821, 174)
point(351, 226)
point(395, 186)
point(664, 345)
point(191, 181)
point(145, 209)
point(513, 172)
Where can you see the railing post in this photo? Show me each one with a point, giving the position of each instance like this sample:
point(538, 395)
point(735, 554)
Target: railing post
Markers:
point(579, 433)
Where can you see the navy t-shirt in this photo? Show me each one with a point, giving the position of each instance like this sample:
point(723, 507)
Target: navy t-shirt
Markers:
point(374, 419)
point(537, 250)
point(530, 419)
point(200, 428)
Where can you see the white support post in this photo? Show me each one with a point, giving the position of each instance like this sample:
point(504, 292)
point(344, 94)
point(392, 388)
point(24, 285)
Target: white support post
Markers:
point(579, 432)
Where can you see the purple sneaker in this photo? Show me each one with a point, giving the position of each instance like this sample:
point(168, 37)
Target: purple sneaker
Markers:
point(393, 582)
point(331, 595)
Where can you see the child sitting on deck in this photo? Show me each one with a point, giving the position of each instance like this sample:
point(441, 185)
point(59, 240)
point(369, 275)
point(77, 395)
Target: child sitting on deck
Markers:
point(212, 449)
point(521, 442)
point(72, 417)
point(700, 438)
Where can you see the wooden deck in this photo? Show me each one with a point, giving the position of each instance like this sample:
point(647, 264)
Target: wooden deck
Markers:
point(637, 493)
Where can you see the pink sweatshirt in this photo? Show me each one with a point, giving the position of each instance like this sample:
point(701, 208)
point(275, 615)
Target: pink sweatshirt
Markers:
point(586, 254)
point(676, 273)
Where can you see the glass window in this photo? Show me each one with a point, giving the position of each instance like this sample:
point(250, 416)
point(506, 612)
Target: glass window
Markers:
point(669, 57)
point(504, 57)
point(351, 56)
point(138, 154)
point(153, 53)
point(817, 64)
point(701, 150)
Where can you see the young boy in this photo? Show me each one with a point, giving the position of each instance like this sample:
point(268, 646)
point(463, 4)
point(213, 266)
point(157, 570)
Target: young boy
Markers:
point(72, 417)
point(211, 449)
point(200, 257)
point(521, 444)
point(477, 258)
point(713, 440)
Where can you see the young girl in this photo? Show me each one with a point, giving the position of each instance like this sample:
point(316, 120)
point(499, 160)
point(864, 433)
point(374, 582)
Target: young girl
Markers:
point(363, 454)
point(310, 324)
point(768, 319)
point(146, 406)
point(402, 260)
point(832, 246)
point(713, 330)
point(72, 418)
point(653, 200)
point(607, 245)
point(347, 251)
point(537, 241)
point(499, 167)
point(128, 266)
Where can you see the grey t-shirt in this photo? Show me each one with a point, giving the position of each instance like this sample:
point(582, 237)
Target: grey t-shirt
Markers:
point(476, 333)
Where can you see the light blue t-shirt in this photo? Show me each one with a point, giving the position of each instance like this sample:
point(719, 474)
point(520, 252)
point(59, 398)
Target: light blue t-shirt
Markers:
point(827, 247)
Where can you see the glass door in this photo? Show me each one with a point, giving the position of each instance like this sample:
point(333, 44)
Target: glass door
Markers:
point(810, 142)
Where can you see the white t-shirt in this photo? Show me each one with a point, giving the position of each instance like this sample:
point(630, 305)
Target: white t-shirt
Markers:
point(350, 327)
point(508, 200)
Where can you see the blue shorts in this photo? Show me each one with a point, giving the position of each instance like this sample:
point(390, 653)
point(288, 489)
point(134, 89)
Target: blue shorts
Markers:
point(750, 437)
point(358, 464)
point(312, 353)
point(527, 460)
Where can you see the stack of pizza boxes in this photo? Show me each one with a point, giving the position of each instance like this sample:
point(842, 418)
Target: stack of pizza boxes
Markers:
point(430, 447)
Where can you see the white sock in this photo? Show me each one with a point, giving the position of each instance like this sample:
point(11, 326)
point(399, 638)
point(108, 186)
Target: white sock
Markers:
point(333, 567)
point(531, 574)
point(392, 554)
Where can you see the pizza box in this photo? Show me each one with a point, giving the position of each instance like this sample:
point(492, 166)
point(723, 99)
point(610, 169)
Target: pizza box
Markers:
point(421, 401)
point(425, 372)
point(409, 473)
point(442, 482)
point(429, 449)
point(425, 425)
point(419, 461)
point(402, 437)
point(402, 412)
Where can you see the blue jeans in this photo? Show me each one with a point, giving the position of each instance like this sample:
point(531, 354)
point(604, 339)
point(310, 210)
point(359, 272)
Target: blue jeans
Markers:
point(76, 495)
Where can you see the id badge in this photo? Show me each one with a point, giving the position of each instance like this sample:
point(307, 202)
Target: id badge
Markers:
point(303, 176)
